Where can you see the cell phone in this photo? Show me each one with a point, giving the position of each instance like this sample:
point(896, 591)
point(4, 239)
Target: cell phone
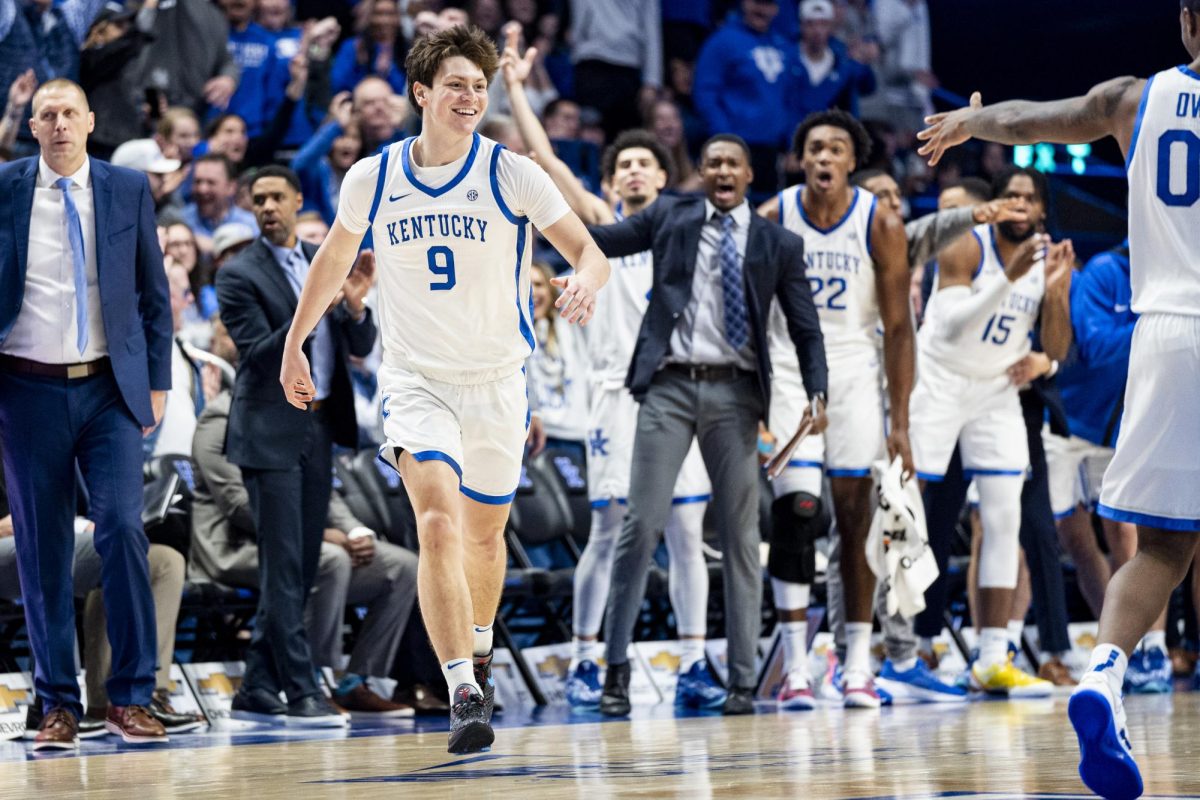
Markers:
point(153, 100)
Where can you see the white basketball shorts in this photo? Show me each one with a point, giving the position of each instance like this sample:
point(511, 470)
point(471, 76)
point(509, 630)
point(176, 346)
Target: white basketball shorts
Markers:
point(1076, 470)
point(804, 469)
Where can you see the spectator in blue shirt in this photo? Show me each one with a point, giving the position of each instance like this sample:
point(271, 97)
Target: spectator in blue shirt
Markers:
point(376, 50)
point(827, 76)
point(326, 157)
point(276, 17)
point(214, 185)
point(252, 47)
point(741, 84)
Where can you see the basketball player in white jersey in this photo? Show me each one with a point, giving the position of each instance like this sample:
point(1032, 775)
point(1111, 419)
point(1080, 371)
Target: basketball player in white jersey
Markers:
point(1151, 480)
point(450, 215)
point(634, 170)
point(857, 265)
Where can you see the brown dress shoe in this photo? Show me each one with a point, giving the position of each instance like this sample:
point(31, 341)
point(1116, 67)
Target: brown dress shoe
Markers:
point(361, 701)
point(1055, 671)
point(59, 731)
point(134, 724)
point(423, 700)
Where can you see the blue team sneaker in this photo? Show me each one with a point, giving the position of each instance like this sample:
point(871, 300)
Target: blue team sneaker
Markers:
point(583, 687)
point(917, 685)
point(1149, 672)
point(1106, 762)
point(697, 688)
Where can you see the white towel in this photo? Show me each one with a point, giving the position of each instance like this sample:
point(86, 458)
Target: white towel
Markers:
point(898, 544)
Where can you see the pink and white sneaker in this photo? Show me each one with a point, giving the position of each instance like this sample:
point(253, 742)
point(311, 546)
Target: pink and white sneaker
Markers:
point(860, 691)
point(796, 695)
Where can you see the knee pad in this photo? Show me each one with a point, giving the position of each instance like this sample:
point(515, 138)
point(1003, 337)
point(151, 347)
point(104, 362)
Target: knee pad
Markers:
point(795, 527)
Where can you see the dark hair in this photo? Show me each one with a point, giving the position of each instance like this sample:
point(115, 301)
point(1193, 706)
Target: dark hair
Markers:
point(861, 177)
point(427, 55)
point(732, 138)
point(977, 188)
point(211, 128)
point(838, 119)
point(218, 158)
point(1005, 176)
point(1191, 6)
point(635, 137)
point(276, 171)
point(554, 105)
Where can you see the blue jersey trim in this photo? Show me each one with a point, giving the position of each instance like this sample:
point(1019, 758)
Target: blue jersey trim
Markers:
point(930, 477)
point(1149, 520)
point(1061, 515)
point(695, 498)
point(870, 220)
point(1186, 70)
point(383, 165)
point(455, 181)
point(601, 503)
point(849, 473)
point(437, 455)
point(795, 462)
point(982, 254)
point(526, 331)
point(986, 473)
point(836, 225)
point(1137, 121)
point(488, 499)
point(494, 179)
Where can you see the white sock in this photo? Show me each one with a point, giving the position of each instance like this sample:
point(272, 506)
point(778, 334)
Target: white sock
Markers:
point(858, 648)
point(790, 596)
point(583, 650)
point(905, 665)
point(1108, 663)
point(993, 646)
point(459, 671)
point(1155, 640)
point(691, 653)
point(795, 650)
point(1015, 628)
point(483, 639)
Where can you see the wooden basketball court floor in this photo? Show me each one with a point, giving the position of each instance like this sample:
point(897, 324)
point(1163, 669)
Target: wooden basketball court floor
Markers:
point(982, 749)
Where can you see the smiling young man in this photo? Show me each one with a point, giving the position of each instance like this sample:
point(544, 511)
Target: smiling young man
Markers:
point(857, 265)
point(450, 213)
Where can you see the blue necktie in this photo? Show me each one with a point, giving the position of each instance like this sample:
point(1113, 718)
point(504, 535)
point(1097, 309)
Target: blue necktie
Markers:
point(75, 237)
point(737, 332)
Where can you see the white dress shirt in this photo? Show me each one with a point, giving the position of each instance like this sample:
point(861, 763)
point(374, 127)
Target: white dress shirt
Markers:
point(178, 426)
point(45, 329)
point(699, 335)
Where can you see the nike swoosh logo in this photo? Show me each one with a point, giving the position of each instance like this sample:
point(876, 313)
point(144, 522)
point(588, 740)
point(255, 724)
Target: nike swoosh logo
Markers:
point(393, 198)
point(454, 664)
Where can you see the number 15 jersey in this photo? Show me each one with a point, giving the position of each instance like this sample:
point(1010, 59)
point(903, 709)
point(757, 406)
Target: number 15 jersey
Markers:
point(453, 246)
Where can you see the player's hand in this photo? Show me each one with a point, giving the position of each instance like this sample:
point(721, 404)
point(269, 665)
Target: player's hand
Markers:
point(947, 130)
point(1060, 265)
point(1029, 369)
point(577, 298)
point(158, 403)
point(359, 282)
point(296, 379)
point(537, 436)
point(1028, 253)
point(899, 446)
point(1007, 209)
point(218, 90)
point(816, 413)
point(513, 65)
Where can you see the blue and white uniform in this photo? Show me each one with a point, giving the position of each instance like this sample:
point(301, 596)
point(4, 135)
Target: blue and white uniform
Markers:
point(963, 392)
point(841, 272)
point(1154, 470)
point(453, 249)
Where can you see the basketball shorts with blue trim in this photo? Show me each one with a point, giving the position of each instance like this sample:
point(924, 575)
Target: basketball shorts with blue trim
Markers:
point(477, 428)
point(855, 438)
point(805, 469)
point(983, 415)
point(1076, 470)
point(1155, 471)
point(612, 425)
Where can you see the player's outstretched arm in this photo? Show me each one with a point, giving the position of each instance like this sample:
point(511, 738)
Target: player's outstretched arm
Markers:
point(577, 299)
point(1108, 109)
point(890, 249)
point(326, 275)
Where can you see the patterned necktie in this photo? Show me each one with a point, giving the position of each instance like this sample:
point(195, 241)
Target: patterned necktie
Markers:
point(75, 238)
point(737, 332)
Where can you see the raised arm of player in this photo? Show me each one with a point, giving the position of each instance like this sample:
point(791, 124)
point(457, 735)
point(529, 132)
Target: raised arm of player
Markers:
point(1056, 304)
point(1109, 109)
point(577, 300)
point(958, 305)
point(889, 247)
point(770, 209)
point(515, 69)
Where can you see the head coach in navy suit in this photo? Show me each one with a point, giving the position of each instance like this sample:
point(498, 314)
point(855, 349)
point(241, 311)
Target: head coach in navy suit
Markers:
point(85, 365)
point(701, 370)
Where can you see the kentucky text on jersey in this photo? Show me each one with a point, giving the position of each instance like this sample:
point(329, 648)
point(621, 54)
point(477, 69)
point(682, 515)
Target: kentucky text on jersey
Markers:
point(831, 261)
point(437, 226)
point(1023, 303)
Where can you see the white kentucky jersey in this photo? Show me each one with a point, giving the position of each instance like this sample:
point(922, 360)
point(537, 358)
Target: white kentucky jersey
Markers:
point(1164, 196)
point(840, 270)
point(991, 344)
point(613, 329)
point(453, 246)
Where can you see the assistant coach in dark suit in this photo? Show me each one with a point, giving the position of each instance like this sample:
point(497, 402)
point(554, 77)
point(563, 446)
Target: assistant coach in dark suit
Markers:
point(701, 368)
point(285, 454)
point(85, 365)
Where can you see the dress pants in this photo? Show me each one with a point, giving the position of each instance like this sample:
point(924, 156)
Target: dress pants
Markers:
point(289, 507)
point(723, 415)
point(47, 424)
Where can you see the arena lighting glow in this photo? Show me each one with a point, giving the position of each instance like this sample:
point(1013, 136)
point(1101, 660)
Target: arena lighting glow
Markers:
point(1042, 157)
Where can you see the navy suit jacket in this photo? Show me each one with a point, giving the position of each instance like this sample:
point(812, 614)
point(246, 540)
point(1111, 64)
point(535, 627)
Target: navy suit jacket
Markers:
point(257, 305)
point(134, 300)
point(773, 267)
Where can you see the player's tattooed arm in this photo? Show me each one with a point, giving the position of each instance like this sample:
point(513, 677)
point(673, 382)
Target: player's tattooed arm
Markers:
point(890, 247)
point(1108, 109)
